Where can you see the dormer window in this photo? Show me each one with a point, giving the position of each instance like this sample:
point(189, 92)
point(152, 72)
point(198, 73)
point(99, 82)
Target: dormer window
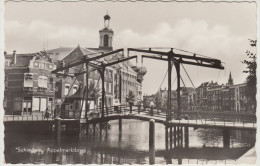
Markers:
point(42, 65)
point(7, 63)
point(36, 64)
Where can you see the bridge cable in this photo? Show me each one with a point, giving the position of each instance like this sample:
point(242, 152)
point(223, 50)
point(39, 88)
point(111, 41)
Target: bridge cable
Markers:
point(193, 103)
point(193, 87)
point(70, 89)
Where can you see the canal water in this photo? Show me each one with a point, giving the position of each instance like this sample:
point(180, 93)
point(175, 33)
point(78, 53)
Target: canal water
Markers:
point(129, 147)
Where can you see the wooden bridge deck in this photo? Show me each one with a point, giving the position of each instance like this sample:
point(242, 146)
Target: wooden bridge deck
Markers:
point(144, 116)
point(197, 123)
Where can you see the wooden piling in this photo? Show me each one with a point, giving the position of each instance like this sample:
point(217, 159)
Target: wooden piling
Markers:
point(152, 141)
point(170, 137)
point(226, 138)
point(120, 125)
point(166, 138)
point(186, 134)
point(57, 122)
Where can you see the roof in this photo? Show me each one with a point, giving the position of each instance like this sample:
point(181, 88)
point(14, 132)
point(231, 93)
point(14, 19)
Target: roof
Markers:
point(23, 60)
point(79, 94)
point(69, 54)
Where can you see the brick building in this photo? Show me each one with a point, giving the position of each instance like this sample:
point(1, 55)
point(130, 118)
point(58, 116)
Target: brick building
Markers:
point(29, 84)
point(120, 78)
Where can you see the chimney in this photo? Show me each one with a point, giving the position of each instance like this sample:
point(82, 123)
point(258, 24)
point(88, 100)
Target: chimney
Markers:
point(14, 57)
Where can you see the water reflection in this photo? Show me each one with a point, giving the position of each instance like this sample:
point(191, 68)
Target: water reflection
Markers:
point(131, 146)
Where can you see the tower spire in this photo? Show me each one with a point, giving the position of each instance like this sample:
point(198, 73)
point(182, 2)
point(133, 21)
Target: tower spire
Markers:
point(106, 35)
point(230, 79)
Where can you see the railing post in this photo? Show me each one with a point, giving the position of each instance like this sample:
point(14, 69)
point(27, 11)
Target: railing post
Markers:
point(152, 141)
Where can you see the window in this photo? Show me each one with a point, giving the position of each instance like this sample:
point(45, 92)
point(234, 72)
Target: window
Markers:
point(75, 88)
point(7, 63)
point(105, 74)
point(36, 64)
point(6, 82)
point(28, 80)
point(42, 65)
point(42, 82)
point(110, 74)
point(105, 40)
point(51, 86)
point(105, 86)
point(66, 91)
point(50, 66)
point(109, 88)
point(27, 107)
point(17, 104)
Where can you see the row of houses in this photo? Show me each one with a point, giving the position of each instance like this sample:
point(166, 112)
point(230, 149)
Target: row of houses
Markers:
point(31, 87)
point(209, 96)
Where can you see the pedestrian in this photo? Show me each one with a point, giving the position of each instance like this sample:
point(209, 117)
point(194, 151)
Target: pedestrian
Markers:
point(151, 107)
point(47, 114)
point(55, 113)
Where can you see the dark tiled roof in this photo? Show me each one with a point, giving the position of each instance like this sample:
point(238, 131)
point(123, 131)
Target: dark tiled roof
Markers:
point(22, 60)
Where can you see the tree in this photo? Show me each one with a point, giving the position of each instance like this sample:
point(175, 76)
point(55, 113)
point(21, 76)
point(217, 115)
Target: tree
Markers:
point(93, 92)
point(251, 78)
point(130, 99)
point(158, 101)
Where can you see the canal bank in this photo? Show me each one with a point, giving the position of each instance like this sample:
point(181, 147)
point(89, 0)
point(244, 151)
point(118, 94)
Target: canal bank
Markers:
point(248, 158)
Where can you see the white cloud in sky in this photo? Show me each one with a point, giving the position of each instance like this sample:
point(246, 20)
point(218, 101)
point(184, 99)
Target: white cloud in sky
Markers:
point(195, 36)
point(31, 37)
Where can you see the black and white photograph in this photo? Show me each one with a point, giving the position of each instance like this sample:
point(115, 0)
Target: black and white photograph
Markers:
point(129, 82)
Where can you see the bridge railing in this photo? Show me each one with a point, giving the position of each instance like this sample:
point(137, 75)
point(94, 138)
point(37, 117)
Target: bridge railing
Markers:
point(26, 118)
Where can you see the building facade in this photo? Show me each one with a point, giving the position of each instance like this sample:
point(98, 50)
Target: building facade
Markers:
point(29, 84)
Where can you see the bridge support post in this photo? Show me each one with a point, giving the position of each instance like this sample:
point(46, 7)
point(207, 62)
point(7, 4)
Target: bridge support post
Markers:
point(170, 137)
point(181, 136)
point(226, 138)
point(152, 141)
point(186, 134)
point(166, 137)
point(100, 130)
point(120, 125)
point(57, 122)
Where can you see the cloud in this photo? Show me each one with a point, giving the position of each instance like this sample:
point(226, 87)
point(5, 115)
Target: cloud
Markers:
point(31, 37)
point(196, 36)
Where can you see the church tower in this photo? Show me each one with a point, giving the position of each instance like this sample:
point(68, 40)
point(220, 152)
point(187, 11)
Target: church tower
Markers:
point(106, 35)
point(230, 80)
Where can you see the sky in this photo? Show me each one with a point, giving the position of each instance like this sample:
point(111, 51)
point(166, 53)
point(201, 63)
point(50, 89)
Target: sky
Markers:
point(217, 30)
